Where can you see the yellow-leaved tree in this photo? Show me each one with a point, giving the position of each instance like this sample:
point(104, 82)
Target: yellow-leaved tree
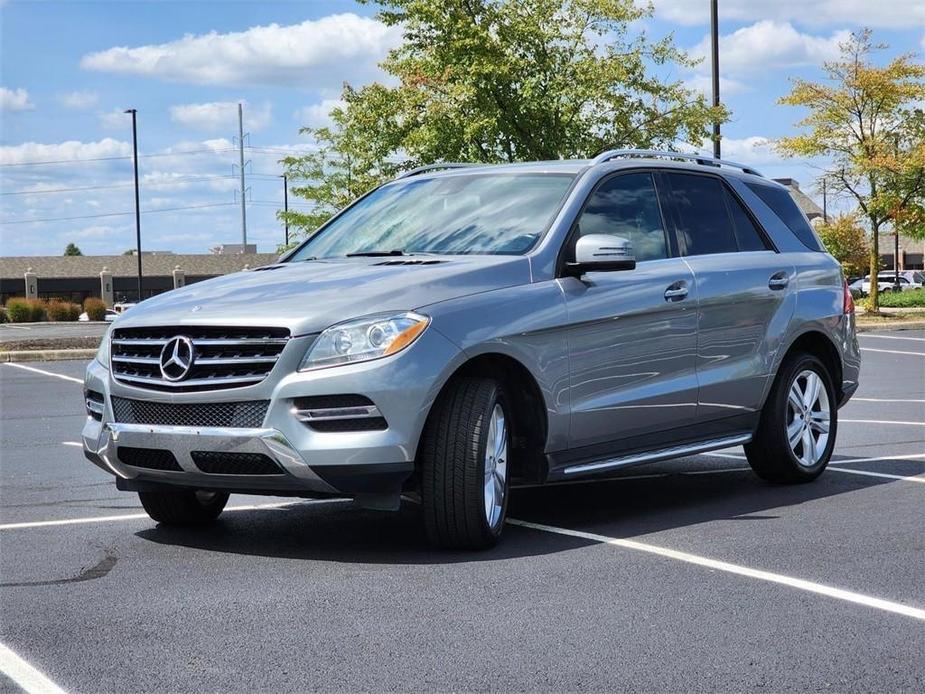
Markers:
point(867, 120)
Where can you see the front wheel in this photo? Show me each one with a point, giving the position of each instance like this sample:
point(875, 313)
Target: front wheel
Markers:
point(464, 465)
point(796, 434)
point(187, 507)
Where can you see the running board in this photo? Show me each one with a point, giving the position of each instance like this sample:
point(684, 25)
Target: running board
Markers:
point(654, 456)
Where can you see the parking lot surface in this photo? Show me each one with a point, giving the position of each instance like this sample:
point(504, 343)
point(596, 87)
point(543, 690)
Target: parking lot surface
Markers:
point(689, 575)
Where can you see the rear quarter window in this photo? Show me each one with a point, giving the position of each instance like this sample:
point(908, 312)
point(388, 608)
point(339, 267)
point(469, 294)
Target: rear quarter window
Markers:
point(783, 205)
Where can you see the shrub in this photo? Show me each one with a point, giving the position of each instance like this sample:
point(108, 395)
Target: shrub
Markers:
point(63, 311)
point(3, 318)
point(95, 308)
point(908, 299)
point(21, 310)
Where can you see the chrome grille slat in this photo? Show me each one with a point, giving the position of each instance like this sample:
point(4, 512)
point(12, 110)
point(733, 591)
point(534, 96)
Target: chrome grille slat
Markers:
point(225, 357)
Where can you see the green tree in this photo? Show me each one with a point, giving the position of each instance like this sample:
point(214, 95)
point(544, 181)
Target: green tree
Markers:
point(864, 120)
point(72, 249)
point(501, 81)
point(845, 238)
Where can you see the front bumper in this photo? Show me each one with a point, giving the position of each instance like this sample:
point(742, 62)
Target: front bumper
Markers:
point(358, 463)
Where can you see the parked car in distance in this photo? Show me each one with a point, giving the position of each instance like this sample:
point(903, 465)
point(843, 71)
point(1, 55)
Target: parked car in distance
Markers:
point(886, 281)
point(110, 316)
point(464, 330)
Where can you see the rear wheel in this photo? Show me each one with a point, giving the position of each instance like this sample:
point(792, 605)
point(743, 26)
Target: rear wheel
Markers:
point(798, 424)
point(464, 465)
point(187, 507)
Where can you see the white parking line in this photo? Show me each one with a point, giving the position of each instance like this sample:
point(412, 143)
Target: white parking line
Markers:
point(902, 478)
point(892, 351)
point(45, 373)
point(885, 400)
point(891, 337)
point(882, 421)
point(716, 565)
point(72, 443)
point(139, 516)
point(26, 676)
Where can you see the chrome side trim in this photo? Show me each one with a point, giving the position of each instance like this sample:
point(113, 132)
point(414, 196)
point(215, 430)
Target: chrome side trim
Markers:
point(663, 454)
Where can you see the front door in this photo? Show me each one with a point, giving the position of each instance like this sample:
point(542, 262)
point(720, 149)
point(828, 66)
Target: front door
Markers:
point(632, 335)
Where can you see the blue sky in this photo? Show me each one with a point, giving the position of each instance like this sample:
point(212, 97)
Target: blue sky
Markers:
point(69, 69)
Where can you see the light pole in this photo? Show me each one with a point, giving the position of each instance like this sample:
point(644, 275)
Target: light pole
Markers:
point(714, 40)
point(137, 208)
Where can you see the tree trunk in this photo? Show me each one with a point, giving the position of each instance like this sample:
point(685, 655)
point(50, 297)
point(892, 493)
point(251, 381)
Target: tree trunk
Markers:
point(873, 303)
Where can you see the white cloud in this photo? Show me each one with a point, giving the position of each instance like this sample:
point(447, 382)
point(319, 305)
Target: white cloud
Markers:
point(66, 151)
point(769, 44)
point(312, 54)
point(117, 119)
point(895, 13)
point(79, 99)
point(317, 115)
point(15, 100)
point(221, 116)
point(703, 84)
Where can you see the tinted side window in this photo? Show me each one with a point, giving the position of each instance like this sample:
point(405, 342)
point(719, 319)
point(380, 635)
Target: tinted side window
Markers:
point(779, 200)
point(627, 206)
point(703, 222)
point(747, 234)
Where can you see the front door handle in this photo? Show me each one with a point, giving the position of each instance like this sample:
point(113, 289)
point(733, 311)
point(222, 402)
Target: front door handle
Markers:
point(779, 280)
point(676, 291)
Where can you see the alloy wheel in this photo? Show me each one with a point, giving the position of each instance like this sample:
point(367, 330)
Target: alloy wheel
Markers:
point(808, 418)
point(495, 466)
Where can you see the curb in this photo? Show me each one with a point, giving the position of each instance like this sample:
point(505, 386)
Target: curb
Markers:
point(908, 325)
point(47, 355)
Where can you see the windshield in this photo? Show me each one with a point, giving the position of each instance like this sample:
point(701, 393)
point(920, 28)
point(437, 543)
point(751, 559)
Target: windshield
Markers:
point(472, 213)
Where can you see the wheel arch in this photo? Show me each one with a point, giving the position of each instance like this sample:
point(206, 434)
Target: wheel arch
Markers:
point(530, 415)
point(820, 345)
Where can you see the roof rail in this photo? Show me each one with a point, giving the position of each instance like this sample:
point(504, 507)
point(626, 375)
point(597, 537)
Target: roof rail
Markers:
point(434, 167)
point(651, 153)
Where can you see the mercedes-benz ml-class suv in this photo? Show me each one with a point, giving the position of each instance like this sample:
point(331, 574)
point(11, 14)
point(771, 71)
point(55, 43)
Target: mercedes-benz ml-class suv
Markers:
point(463, 330)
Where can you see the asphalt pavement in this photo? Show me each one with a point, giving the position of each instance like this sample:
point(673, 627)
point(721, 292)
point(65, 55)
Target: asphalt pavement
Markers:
point(685, 576)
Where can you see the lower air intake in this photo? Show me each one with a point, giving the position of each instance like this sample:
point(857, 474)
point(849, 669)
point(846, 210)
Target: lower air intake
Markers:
point(148, 458)
point(222, 463)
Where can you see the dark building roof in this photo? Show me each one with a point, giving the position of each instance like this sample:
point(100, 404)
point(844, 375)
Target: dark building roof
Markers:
point(126, 265)
point(803, 201)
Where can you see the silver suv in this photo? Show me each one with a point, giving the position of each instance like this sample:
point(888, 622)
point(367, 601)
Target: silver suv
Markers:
point(463, 330)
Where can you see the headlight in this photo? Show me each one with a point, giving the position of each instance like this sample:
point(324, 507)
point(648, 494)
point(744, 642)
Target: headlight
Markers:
point(102, 354)
point(364, 339)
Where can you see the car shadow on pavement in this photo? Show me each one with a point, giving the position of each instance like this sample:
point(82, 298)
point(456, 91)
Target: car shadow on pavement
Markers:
point(341, 532)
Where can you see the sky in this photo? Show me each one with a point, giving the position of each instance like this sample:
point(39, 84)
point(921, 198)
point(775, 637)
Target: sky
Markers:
point(69, 69)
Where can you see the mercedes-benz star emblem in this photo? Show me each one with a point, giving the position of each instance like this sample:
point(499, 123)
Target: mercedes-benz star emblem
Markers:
point(177, 358)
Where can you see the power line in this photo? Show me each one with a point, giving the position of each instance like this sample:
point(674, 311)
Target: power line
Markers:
point(140, 156)
point(114, 214)
point(166, 182)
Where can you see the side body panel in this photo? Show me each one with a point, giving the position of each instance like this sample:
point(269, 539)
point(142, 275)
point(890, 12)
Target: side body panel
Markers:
point(632, 352)
point(741, 325)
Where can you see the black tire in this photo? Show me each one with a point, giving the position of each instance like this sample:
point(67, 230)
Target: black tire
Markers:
point(452, 461)
point(769, 453)
point(190, 507)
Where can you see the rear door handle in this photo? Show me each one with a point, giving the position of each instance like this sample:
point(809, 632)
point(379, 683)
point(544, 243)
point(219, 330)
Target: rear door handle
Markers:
point(779, 280)
point(676, 291)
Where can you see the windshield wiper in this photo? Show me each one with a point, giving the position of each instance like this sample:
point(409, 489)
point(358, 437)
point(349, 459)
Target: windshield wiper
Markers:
point(376, 254)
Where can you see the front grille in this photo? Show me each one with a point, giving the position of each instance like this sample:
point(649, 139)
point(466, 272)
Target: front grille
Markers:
point(149, 458)
point(222, 463)
point(339, 413)
point(221, 357)
point(247, 414)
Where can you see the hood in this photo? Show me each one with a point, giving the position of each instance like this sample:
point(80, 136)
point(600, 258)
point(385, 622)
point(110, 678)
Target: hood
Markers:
point(309, 296)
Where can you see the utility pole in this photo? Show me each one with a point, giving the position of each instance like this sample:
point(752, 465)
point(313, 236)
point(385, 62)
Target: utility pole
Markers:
point(137, 208)
point(241, 164)
point(825, 203)
point(714, 34)
point(286, 204)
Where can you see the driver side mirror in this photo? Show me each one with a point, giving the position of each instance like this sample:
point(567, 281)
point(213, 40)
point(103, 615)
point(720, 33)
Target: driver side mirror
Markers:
point(602, 253)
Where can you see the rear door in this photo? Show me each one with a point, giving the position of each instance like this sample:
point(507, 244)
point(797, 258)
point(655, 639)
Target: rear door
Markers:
point(745, 292)
point(631, 334)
